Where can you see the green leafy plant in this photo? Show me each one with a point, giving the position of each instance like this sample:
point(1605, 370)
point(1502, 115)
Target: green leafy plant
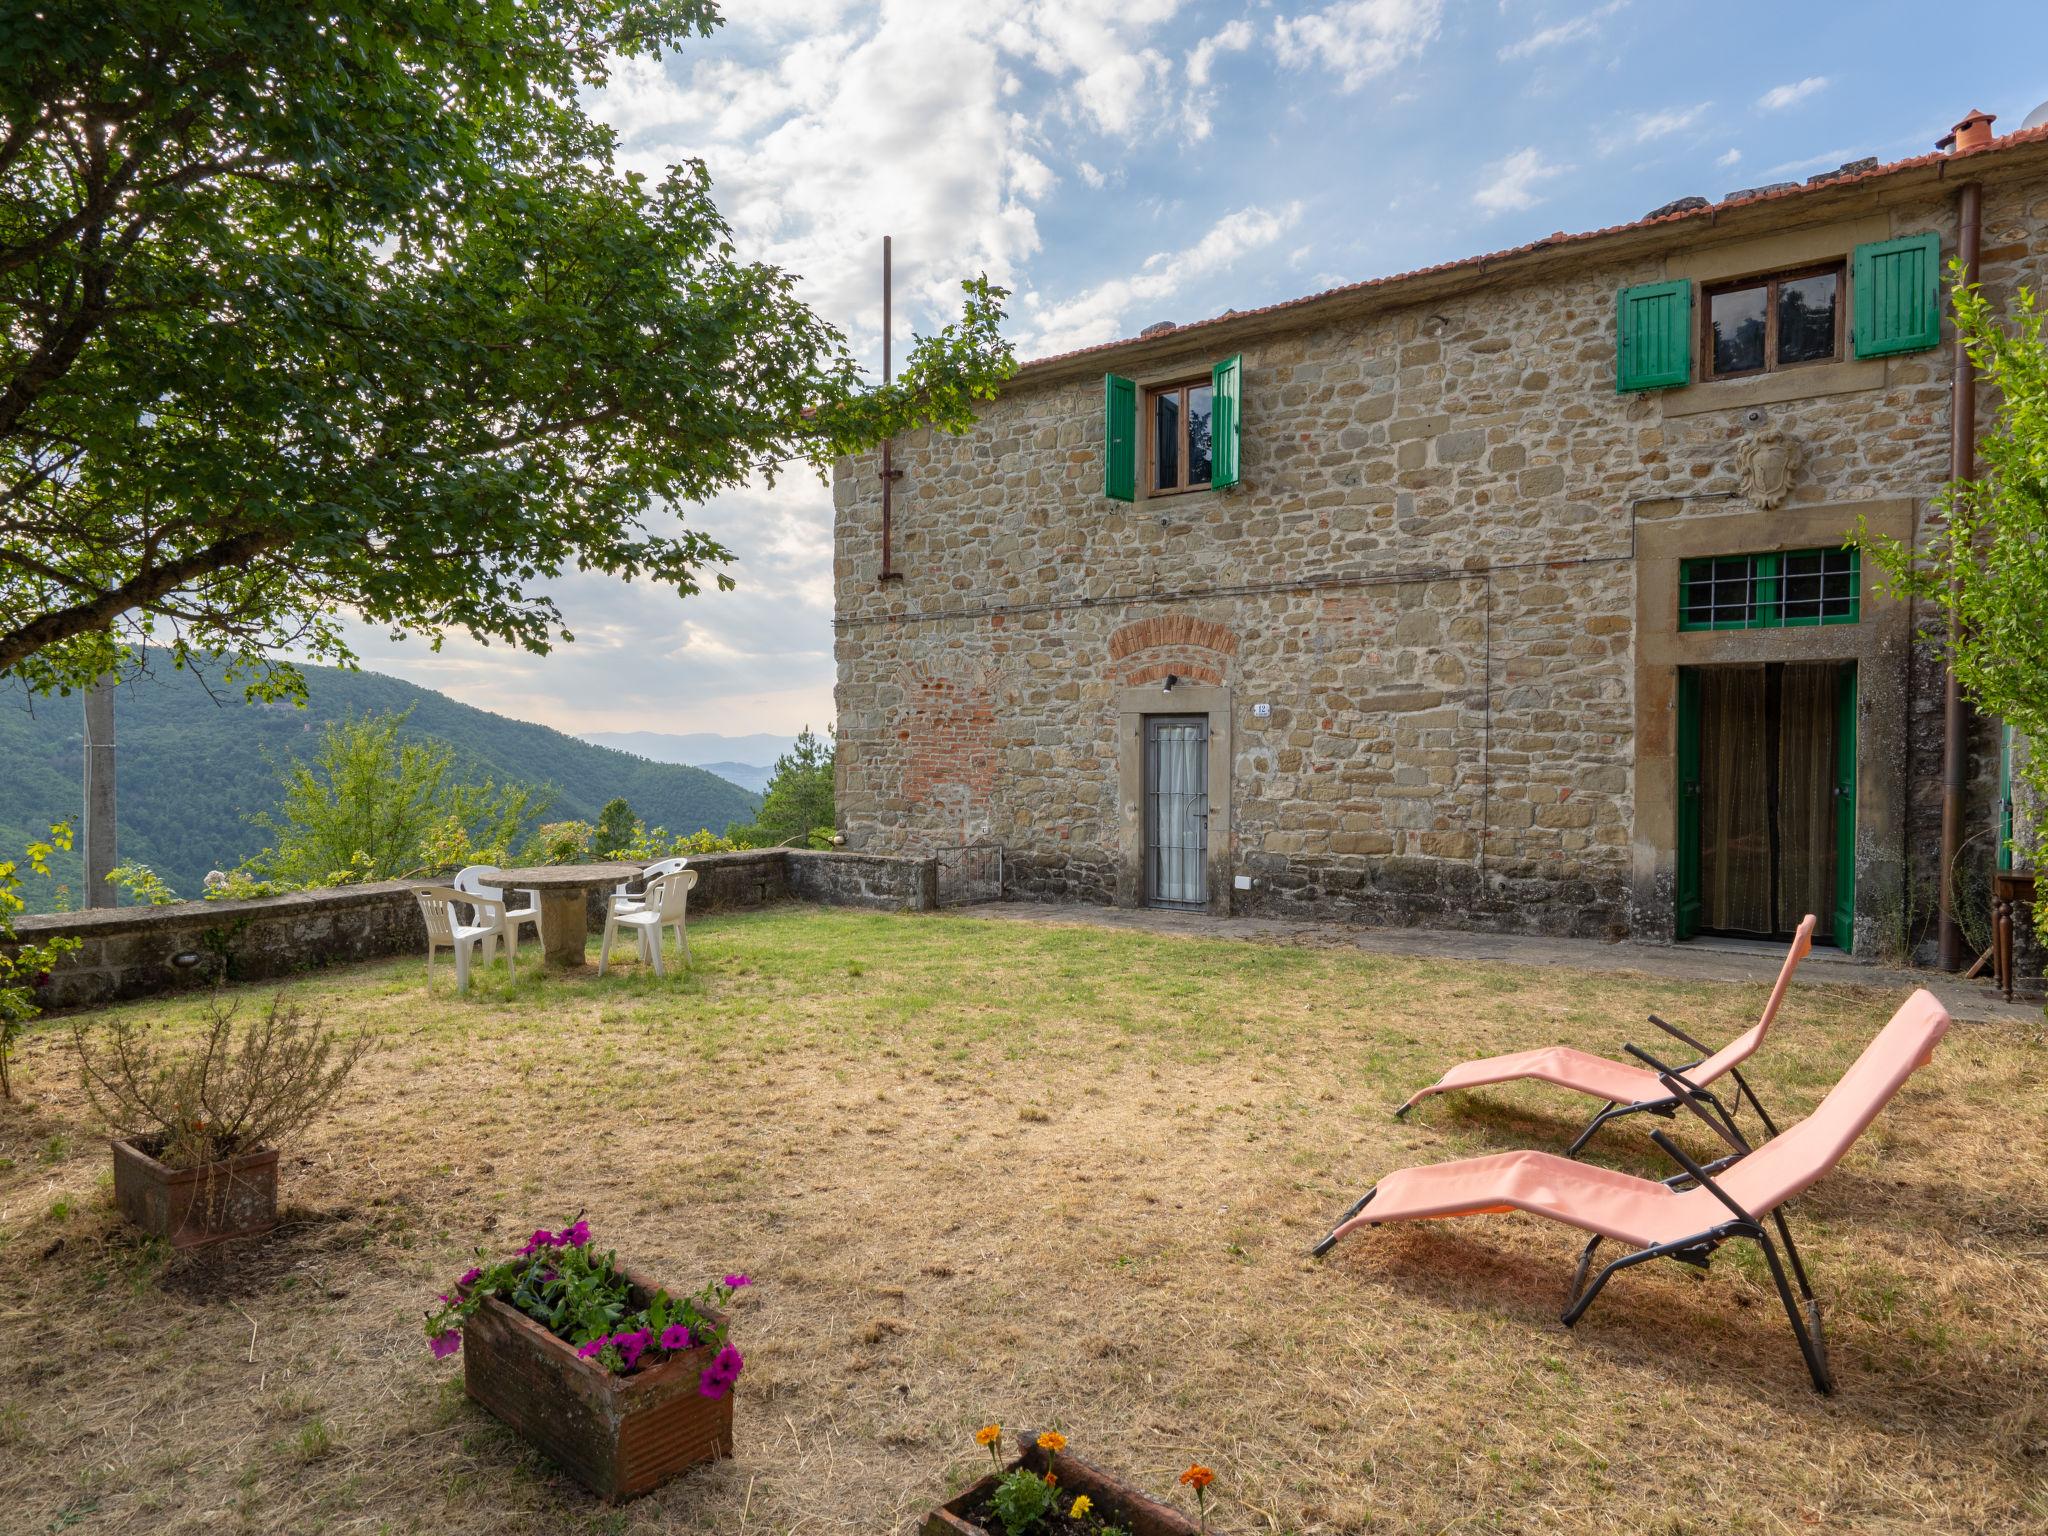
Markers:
point(561, 1281)
point(617, 828)
point(559, 842)
point(25, 967)
point(237, 1089)
point(798, 806)
point(375, 806)
point(1023, 1499)
point(1984, 568)
point(143, 883)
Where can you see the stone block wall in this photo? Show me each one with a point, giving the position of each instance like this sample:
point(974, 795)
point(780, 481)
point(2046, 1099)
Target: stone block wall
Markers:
point(131, 952)
point(1427, 577)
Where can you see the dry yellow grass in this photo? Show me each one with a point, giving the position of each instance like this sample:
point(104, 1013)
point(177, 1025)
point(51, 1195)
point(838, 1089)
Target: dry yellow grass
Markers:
point(1051, 1175)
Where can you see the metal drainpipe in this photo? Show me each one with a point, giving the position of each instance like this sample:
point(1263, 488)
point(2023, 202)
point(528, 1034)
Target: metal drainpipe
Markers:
point(1962, 458)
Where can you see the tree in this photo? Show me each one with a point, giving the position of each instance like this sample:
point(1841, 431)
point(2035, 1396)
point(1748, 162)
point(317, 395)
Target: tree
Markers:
point(371, 806)
point(617, 828)
point(799, 798)
point(1985, 567)
point(349, 308)
point(25, 967)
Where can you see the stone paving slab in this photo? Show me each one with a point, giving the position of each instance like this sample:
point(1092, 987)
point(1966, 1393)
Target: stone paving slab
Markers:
point(1701, 960)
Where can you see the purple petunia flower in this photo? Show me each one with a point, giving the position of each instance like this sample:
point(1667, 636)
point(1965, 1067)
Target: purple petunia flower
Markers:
point(593, 1349)
point(730, 1361)
point(675, 1336)
point(721, 1373)
point(734, 1282)
point(574, 1236)
point(469, 1278)
point(632, 1345)
point(542, 1238)
point(445, 1344)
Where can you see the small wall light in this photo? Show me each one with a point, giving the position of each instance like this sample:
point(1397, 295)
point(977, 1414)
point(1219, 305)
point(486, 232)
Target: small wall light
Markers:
point(1167, 686)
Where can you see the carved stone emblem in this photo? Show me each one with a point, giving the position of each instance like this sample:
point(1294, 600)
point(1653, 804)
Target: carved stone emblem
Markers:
point(1766, 464)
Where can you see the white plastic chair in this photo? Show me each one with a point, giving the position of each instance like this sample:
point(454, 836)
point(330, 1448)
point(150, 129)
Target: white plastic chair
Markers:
point(475, 881)
point(660, 907)
point(441, 906)
point(633, 900)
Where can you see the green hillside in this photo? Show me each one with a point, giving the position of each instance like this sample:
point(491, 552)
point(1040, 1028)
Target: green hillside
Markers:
point(192, 767)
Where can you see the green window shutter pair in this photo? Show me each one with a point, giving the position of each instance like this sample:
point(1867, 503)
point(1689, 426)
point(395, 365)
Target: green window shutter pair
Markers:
point(1897, 295)
point(1120, 430)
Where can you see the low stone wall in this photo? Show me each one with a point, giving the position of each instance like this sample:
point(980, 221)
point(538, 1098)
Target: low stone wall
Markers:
point(129, 952)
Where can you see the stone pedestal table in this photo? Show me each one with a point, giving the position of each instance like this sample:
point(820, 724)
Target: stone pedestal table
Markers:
point(564, 891)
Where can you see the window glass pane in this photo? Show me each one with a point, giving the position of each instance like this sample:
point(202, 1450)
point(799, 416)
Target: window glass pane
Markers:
point(1198, 434)
point(1806, 319)
point(1738, 325)
point(1165, 442)
point(1718, 594)
point(1818, 584)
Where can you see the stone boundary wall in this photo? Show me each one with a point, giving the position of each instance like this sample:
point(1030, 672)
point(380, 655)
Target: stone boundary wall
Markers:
point(131, 952)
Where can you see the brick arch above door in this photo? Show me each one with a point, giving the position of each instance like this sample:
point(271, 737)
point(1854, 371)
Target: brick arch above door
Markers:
point(1196, 651)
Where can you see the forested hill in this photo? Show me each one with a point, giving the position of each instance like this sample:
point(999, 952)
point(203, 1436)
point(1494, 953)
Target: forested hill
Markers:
point(190, 770)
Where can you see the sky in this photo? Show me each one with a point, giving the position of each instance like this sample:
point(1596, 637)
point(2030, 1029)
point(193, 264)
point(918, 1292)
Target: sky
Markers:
point(1119, 164)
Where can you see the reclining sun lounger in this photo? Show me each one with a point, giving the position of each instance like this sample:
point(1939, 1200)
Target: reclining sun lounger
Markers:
point(1632, 1090)
point(1729, 1198)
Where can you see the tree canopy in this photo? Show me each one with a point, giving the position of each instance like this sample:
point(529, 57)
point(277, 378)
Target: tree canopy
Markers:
point(1985, 566)
point(349, 308)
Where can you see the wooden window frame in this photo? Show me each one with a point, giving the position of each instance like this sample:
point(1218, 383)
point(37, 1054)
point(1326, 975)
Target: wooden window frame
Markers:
point(1770, 283)
point(1152, 394)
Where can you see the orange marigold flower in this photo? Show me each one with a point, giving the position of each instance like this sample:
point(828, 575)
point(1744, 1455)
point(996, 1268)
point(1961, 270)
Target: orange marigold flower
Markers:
point(1051, 1481)
point(988, 1434)
point(1198, 1476)
point(1052, 1440)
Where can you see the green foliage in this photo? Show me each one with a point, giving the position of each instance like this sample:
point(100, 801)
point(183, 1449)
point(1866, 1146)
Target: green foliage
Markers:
point(23, 966)
point(194, 769)
point(143, 883)
point(1985, 568)
point(617, 829)
point(565, 1284)
point(558, 842)
point(1022, 1500)
point(373, 806)
point(349, 309)
point(798, 806)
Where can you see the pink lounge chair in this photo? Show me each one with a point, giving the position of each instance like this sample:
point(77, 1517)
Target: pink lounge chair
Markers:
point(1633, 1090)
point(1662, 1220)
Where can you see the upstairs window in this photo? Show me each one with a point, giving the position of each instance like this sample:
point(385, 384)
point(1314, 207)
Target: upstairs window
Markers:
point(1178, 420)
point(1775, 591)
point(1762, 324)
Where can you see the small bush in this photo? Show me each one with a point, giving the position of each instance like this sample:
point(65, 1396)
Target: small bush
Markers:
point(243, 1087)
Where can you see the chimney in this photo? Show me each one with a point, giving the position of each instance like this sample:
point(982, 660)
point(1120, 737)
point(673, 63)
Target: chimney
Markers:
point(1973, 132)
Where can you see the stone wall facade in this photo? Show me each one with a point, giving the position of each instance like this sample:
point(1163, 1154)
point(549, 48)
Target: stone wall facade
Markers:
point(130, 952)
point(1422, 614)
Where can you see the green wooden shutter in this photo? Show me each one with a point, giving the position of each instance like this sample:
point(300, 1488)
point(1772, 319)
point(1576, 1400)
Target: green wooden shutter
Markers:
point(1653, 336)
point(1897, 295)
point(1845, 810)
point(1688, 861)
point(1119, 438)
point(1225, 395)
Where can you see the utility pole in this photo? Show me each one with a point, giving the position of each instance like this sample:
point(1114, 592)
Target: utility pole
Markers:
point(890, 474)
point(100, 857)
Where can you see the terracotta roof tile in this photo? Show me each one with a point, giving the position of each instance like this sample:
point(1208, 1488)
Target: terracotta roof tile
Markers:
point(1706, 211)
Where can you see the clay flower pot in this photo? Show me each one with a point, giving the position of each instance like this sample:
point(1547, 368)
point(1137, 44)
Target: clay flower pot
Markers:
point(619, 1436)
point(1114, 1500)
point(236, 1197)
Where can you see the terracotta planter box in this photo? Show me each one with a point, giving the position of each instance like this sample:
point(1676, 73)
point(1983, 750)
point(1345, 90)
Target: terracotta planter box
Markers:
point(619, 1436)
point(1114, 1499)
point(190, 1206)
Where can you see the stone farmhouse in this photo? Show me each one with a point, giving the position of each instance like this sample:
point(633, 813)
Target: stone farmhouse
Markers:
point(1514, 593)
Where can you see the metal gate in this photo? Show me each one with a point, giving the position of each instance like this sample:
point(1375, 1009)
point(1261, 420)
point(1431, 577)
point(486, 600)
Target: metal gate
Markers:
point(1177, 811)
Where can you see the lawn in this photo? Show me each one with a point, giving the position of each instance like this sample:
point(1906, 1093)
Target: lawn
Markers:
point(1050, 1175)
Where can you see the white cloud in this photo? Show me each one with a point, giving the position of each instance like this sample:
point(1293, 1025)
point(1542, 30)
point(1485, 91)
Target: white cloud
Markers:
point(1102, 313)
point(1778, 98)
point(1234, 38)
point(1648, 127)
point(1359, 40)
point(1513, 182)
point(1732, 158)
point(1575, 30)
point(1092, 176)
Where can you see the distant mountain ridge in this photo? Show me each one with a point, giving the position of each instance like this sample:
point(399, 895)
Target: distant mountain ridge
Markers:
point(189, 772)
point(748, 761)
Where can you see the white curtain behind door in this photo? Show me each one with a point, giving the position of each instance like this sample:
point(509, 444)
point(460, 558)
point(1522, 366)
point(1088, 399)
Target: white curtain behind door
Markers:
point(1179, 796)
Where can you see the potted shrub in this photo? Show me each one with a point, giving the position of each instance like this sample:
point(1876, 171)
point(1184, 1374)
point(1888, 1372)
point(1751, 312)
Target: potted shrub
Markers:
point(196, 1127)
point(622, 1384)
point(1046, 1492)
